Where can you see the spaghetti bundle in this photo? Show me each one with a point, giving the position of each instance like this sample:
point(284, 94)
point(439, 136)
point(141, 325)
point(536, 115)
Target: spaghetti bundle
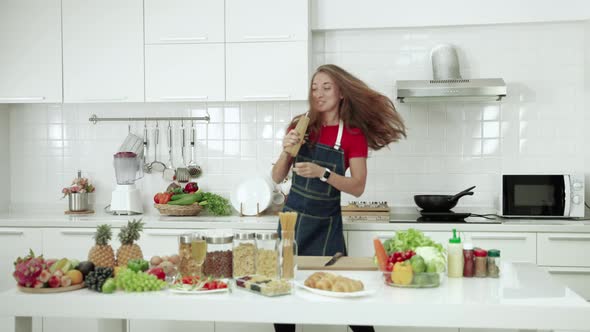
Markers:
point(288, 221)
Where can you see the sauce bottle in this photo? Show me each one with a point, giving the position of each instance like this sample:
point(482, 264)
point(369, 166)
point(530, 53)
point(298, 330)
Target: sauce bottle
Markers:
point(468, 261)
point(455, 256)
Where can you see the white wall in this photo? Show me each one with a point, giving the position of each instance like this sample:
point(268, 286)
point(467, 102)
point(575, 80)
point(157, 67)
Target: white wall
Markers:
point(352, 14)
point(4, 155)
point(451, 146)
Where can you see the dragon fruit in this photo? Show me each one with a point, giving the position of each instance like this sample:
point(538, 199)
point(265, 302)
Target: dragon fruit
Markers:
point(28, 269)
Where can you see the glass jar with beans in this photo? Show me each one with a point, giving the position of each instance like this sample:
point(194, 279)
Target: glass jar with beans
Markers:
point(244, 253)
point(218, 262)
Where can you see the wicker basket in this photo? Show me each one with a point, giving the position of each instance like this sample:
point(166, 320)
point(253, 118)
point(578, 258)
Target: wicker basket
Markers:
point(179, 210)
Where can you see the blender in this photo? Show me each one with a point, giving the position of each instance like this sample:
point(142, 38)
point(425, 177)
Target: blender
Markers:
point(126, 198)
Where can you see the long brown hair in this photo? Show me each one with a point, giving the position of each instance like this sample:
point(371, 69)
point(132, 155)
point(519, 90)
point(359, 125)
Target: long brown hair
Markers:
point(361, 107)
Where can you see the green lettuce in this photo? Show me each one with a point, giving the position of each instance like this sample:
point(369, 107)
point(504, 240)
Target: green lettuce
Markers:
point(410, 240)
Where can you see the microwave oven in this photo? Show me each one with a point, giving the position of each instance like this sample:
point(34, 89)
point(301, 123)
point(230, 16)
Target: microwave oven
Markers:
point(542, 195)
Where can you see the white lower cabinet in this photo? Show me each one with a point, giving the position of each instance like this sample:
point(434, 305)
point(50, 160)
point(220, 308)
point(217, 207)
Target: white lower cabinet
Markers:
point(75, 243)
point(16, 242)
point(413, 329)
point(360, 243)
point(560, 249)
point(576, 278)
point(144, 325)
point(514, 247)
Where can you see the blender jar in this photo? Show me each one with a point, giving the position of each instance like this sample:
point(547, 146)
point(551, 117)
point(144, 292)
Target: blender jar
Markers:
point(127, 168)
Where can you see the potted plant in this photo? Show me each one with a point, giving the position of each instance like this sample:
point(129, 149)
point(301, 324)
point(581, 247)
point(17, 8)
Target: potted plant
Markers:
point(77, 193)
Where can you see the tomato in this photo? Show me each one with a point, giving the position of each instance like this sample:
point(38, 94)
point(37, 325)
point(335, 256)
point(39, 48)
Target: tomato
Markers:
point(221, 285)
point(389, 267)
point(157, 198)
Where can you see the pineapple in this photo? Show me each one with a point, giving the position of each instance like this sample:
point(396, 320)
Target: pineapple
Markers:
point(128, 249)
point(102, 253)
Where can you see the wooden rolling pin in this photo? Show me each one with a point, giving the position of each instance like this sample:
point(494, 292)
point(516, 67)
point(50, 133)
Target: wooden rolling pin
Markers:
point(301, 128)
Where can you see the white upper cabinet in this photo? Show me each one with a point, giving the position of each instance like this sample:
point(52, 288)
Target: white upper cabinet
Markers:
point(184, 21)
point(30, 56)
point(103, 50)
point(267, 71)
point(184, 72)
point(266, 20)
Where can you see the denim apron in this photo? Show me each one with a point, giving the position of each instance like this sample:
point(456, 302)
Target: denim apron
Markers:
point(318, 231)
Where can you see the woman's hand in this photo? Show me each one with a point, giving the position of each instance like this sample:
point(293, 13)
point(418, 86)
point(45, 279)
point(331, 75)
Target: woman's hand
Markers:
point(308, 170)
point(291, 139)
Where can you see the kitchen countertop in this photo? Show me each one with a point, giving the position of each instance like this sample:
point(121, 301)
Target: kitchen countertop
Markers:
point(524, 297)
point(269, 222)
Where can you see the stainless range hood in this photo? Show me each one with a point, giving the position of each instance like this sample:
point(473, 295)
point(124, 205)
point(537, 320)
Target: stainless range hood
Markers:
point(448, 85)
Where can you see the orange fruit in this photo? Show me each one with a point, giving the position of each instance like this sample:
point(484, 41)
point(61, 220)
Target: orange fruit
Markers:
point(76, 276)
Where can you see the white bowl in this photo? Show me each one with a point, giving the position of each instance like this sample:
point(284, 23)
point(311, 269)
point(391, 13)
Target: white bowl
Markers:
point(250, 194)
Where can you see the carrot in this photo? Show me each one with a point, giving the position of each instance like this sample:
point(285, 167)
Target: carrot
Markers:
point(380, 253)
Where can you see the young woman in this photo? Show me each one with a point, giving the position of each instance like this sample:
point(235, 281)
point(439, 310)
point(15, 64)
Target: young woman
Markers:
point(346, 119)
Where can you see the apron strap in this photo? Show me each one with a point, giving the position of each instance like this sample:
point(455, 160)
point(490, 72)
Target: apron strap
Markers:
point(339, 137)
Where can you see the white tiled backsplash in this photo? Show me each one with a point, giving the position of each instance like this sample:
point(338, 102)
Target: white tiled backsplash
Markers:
point(539, 126)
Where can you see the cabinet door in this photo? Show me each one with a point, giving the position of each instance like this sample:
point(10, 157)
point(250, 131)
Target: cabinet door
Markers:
point(103, 50)
point(266, 20)
point(515, 247)
point(183, 21)
point(16, 243)
point(71, 242)
point(30, 60)
point(360, 243)
point(576, 278)
point(267, 71)
point(145, 325)
point(185, 72)
point(161, 241)
point(559, 249)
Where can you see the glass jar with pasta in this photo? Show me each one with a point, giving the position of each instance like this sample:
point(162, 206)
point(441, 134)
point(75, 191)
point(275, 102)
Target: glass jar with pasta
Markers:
point(244, 254)
point(267, 254)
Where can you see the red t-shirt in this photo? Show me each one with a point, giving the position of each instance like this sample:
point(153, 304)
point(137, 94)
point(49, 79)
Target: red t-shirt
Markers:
point(353, 142)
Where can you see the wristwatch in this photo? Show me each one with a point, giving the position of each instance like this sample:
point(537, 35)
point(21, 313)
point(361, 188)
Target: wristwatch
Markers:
point(326, 175)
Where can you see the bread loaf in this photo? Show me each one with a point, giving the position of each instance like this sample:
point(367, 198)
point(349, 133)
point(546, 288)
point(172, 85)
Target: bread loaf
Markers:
point(333, 283)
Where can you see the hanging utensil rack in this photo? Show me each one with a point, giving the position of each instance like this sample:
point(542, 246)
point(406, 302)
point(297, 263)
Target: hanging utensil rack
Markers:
point(94, 118)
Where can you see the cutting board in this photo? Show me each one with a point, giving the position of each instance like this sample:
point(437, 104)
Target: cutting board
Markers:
point(343, 264)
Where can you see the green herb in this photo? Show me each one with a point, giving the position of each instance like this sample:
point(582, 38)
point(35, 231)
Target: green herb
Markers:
point(409, 240)
point(216, 205)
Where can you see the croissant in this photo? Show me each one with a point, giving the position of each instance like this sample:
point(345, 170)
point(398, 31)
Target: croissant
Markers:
point(334, 283)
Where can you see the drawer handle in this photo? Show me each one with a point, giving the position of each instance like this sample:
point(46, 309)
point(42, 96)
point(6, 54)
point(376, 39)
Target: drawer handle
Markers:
point(268, 97)
point(11, 233)
point(22, 99)
point(77, 232)
point(165, 234)
point(185, 98)
point(284, 37)
point(568, 238)
point(568, 272)
point(101, 100)
point(498, 237)
point(184, 39)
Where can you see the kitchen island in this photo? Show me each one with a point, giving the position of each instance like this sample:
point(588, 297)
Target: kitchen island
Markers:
point(524, 297)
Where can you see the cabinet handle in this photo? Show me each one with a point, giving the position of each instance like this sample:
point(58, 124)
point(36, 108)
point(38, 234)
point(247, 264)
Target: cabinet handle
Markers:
point(94, 100)
point(183, 39)
point(268, 97)
point(22, 98)
point(568, 238)
point(78, 232)
point(11, 233)
point(185, 98)
point(261, 37)
point(498, 237)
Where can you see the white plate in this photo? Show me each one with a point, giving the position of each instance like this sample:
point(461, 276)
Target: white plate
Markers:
point(249, 193)
point(365, 292)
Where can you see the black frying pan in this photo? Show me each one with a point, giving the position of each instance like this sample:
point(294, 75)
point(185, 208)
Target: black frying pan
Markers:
point(440, 203)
